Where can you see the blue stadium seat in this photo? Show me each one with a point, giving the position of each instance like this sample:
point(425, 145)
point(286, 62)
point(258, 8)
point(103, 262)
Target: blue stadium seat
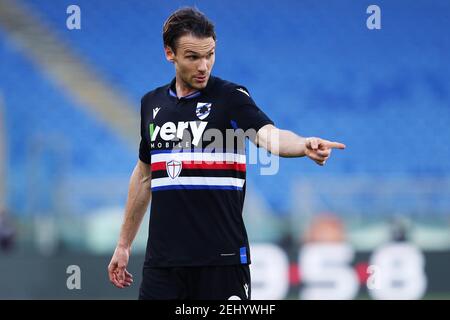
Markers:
point(370, 90)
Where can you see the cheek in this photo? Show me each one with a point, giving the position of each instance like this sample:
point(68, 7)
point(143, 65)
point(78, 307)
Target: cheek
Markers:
point(187, 67)
point(211, 62)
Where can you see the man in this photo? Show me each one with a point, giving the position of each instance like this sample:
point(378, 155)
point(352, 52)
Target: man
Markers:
point(197, 246)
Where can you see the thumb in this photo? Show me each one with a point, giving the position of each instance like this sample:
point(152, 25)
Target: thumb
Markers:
point(121, 272)
point(312, 143)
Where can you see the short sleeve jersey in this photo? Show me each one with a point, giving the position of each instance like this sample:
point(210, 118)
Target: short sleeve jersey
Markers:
point(198, 167)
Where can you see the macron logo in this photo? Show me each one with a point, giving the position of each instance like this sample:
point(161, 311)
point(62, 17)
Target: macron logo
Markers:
point(155, 112)
point(243, 91)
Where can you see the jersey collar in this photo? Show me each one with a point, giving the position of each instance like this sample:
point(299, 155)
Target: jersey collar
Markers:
point(206, 90)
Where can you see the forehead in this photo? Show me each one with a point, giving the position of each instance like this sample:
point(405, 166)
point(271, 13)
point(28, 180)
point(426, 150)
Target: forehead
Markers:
point(199, 45)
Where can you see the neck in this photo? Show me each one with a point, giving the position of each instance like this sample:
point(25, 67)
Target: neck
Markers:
point(182, 89)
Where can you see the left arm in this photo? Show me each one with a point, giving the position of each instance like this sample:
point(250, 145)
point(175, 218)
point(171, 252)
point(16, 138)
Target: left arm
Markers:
point(287, 144)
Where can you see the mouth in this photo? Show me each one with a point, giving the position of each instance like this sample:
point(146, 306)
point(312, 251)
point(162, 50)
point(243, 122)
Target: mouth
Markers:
point(201, 79)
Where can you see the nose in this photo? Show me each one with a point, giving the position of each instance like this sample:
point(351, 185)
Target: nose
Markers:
point(202, 66)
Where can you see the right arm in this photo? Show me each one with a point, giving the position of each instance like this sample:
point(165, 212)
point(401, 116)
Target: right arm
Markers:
point(139, 195)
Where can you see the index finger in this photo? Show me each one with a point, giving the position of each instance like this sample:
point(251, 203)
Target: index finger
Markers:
point(335, 145)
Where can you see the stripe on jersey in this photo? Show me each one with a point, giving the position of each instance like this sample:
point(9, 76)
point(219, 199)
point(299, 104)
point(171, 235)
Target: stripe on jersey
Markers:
point(156, 166)
point(194, 187)
point(211, 157)
point(201, 173)
point(168, 183)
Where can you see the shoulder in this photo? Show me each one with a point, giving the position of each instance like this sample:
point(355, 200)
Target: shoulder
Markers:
point(153, 95)
point(232, 91)
point(229, 87)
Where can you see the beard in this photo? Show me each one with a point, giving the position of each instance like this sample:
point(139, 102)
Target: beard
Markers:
point(191, 83)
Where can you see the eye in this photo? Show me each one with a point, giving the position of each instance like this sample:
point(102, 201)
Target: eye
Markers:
point(192, 58)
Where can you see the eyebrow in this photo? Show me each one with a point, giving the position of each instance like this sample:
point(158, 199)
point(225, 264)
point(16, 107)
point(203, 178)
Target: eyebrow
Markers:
point(196, 53)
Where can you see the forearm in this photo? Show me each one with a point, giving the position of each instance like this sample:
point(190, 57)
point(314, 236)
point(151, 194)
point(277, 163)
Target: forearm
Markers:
point(139, 195)
point(290, 144)
point(283, 143)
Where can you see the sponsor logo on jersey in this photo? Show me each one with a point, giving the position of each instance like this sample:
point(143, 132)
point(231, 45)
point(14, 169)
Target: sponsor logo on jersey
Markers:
point(169, 130)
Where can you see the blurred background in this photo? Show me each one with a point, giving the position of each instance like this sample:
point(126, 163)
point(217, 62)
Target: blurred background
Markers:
point(374, 223)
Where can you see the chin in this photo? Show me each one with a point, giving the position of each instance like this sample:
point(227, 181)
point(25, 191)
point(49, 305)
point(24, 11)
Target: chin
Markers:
point(199, 86)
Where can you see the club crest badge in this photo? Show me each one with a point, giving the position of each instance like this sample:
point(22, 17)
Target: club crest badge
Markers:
point(203, 109)
point(173, 168)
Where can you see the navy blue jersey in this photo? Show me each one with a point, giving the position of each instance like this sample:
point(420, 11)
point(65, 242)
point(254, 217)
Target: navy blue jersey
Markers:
point(198, 176)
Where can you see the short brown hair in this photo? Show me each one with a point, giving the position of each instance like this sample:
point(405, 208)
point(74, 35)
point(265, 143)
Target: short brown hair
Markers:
point(185, 21)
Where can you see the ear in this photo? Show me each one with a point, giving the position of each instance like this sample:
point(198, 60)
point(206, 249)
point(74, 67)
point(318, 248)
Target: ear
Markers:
point(170, 55)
